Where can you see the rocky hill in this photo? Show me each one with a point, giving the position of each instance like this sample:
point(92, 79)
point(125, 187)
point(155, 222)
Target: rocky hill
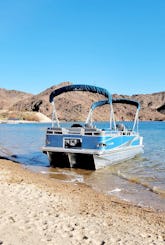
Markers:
point(10, 97)
point(74, 106)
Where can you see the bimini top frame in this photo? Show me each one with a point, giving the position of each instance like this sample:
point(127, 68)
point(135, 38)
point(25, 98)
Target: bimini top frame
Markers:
point(80, 87)
point(77, 87)
point(134, 103)
point(114, 101)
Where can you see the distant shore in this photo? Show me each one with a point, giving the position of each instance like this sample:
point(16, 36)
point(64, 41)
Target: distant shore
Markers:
point(20, 121)
point(36, 209)
point(15, 121)
point(6, 121)
point(23, 117)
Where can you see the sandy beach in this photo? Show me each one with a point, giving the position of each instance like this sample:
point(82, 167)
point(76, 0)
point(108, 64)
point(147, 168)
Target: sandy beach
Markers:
point(35, 209)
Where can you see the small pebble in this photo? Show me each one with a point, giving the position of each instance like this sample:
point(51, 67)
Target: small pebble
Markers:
point(85, 237)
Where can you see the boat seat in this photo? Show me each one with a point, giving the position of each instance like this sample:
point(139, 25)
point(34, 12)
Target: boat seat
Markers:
point(76, 125)
point(121, 127)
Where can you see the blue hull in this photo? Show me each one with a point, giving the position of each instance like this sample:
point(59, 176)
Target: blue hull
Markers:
point(90, 149)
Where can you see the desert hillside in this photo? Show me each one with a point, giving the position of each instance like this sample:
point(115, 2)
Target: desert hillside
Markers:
point(10, 97)
point(74, 106)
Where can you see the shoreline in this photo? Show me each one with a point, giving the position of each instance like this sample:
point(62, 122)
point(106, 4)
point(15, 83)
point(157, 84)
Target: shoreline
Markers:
point(22, 122)
point(38, 210)
point(9, 121)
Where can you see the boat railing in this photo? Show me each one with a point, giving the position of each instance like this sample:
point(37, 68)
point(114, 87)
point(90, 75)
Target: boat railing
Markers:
point(89, 131)
point(75, 130)
point(60, 130)
point(82, 131)
point(54, 130)
point(118, 132)
point(78, 130)
point(93, 131)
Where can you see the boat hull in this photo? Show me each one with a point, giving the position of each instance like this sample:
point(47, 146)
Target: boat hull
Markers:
point(90, 159)
point(116, 156)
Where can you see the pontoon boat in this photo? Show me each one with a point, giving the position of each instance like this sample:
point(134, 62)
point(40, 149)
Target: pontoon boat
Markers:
point(87, 146)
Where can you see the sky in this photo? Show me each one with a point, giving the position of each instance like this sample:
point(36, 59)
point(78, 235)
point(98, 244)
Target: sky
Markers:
point(115, 44)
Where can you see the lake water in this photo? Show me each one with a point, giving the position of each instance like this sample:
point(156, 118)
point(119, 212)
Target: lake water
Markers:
point(140, 180)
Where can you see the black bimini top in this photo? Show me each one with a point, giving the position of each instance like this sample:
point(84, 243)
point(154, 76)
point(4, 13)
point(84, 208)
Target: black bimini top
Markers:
point(81, 87)
point(127, 101)
point(115, 101)
point(99, 103)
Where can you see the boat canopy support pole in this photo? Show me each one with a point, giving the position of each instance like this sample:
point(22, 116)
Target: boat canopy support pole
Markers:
point(54, 116)
point(112, 118)
point(136, 121)
point(89, 118)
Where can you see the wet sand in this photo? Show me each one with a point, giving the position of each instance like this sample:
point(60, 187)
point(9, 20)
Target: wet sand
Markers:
point(35, 209)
